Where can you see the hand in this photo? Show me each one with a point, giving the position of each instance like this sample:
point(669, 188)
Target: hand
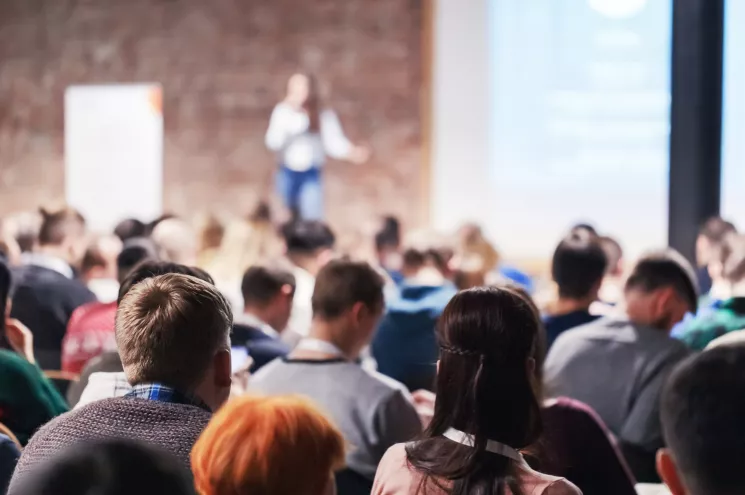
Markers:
point(424, 403)
point(359, 154)
point(20, 339)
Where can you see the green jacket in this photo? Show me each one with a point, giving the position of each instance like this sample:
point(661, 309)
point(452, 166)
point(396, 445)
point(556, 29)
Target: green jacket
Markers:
point(27, 398)
point(728, 316)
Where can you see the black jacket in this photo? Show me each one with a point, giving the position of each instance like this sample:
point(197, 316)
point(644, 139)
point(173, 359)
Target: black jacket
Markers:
point(262, 347)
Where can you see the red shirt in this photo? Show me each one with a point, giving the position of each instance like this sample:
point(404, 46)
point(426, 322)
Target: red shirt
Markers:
point(90, 332)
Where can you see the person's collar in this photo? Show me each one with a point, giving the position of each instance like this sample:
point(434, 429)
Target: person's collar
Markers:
point(163, 393)
point(252, 320)
point(49, 262)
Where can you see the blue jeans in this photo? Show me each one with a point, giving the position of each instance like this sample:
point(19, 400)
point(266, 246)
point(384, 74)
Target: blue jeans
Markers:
point(301, 192)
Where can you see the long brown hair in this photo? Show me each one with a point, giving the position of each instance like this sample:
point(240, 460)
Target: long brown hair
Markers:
point(312, 104)
point(484, 388)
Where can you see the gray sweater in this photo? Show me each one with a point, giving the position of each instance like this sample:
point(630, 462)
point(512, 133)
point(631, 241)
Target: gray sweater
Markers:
point(172, 427)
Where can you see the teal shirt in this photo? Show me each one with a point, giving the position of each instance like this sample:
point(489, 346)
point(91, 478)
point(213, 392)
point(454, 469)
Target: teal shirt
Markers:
point(28, 399)
point(728, 316)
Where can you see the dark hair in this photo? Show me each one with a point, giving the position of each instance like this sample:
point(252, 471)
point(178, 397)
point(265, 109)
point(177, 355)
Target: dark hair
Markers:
point(152, 268)
point(423, 248)
point(584, 227)
point(262, 283)
point(578, 265)
point(613, 252)
point(7, 288)
point(307, 236)
point(715, 229)
point(58, 225)
point(665, 268)
point(484, 388)
point(135, 251)
point(92, 258)
point(702, 407)
point(130, 229)
point(262, 213)
point(109, 467)
point(389, 234)
point(341, 284)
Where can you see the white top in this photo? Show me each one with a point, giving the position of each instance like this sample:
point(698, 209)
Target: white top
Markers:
point(302, 309)
point(299, 149)
point(256, 322)
point(49, 262)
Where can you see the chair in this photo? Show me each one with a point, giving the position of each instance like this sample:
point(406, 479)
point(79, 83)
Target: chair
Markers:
point(61, 380)
point(4, 430)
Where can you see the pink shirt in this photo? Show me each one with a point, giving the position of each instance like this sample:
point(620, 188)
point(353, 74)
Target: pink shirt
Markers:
point(90, 332)
point(394, 477)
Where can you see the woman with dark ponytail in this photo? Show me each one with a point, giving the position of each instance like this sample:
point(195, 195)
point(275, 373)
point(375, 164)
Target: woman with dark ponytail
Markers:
point(486, 410)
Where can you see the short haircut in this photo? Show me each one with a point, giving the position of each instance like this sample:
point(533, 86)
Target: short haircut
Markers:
point(130, 229)
point(56, 226)
point(93, 258)
point(586, 227)
point(389, 234)
point(666, 268)
point(262, 283)
point(341, 284)
point(715, 229)
point(135, 251)
point(578, 265)
point(425, 247)
point(613, 252)
point(153, 268)
point(254, 442)
point(307, 236)
point(733, 268)
point(702, 411)
point(108, 467)
point(168, 329)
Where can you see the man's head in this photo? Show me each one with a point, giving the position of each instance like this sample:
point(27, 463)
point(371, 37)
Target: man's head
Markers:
point(63, 234)
point(661, 289)
point(578, 266)
point(267, 294)
point(702, 410)
point(176, 240)
point(135, 251)
point(614, 255)
point(150, 268)
point(130, 228)
point(309, 243)
point(347, 303)
point(733, 262)
point(711, 239)
point(99, 260)
point(175, 330)
point(426, 252)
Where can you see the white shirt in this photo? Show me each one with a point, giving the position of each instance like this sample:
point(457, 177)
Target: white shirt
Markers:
point(298, 148)
point(255, 322)
point(49, 262)
point(302, 309)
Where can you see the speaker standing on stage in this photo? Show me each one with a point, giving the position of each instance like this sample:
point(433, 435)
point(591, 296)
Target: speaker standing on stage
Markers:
point(302, 133)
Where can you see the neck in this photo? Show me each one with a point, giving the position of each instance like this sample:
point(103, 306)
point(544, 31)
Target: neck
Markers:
point(565, 306)
point(306, 262)
point(53, 251)
point(333, 333)
point(262, 314)
point(426, 275)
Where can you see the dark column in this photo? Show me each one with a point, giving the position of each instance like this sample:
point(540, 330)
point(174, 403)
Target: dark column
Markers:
point(695, 118)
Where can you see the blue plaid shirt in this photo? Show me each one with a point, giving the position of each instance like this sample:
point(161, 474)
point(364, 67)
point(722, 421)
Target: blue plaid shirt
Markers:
point(164, 393)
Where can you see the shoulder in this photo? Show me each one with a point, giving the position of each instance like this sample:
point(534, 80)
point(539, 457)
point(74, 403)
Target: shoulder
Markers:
point(538, 483)
point(382, 384)
point(394, 476)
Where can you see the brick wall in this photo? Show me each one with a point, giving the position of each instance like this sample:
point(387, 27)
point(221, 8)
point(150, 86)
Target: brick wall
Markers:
point(223, 64)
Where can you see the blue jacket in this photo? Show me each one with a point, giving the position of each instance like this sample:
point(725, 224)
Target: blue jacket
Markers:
point(262, 348)
point(405, 345)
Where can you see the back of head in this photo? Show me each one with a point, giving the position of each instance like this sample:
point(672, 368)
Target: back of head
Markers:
point(307, 237)
point(267, 445)
point(702, 407)
point(99, 260)
point(152, 268)
point(426, 249)
point(58, 226)
point(578, 265)
point(130, 228)
point(169, 328)
point(341, 284)
point(665, 268)
point(484, 388)
point(25, 227)
point(176, 240)
point(135, 251)
point(108, 467)
point(733, 269)
point(262, 283)
point(711, 238)
point(584, 227)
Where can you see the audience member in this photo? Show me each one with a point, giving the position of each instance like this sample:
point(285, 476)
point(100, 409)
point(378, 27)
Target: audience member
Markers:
point(405, 345)
point(27, 398)
point(267, 298)
point(268, 446)
point(577, 268)
point(9, 455)
point(388, 248)
point(703, 404)
point(372, 411)
point(25, 227)
point(108, 467)
point(130, 228)
point(618, 365)
point(729, 315)
point(98, 268)
point(709, 243)
point(47, 291)
point(103, 377)
point(176, 240)
point(611, 292)
point(211, 232)
point(173, 335)
point(309, 245)
point(486, 409)
point(90, 330)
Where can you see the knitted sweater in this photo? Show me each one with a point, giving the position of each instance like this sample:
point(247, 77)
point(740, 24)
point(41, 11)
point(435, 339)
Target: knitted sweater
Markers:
point(172, 427)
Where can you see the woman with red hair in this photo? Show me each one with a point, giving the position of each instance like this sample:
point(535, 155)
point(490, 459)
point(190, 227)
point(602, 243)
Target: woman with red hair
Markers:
point(278, 445)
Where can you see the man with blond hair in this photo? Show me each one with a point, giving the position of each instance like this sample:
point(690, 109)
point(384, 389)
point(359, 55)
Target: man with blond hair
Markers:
point(173, 335)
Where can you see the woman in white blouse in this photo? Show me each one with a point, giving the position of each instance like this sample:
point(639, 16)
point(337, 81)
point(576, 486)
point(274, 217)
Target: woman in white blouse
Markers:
point(302, 133)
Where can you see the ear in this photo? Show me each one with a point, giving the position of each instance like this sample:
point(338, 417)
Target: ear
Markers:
point(223, 364)
point(358, 312)
point(662, 300)
point(669, 472)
